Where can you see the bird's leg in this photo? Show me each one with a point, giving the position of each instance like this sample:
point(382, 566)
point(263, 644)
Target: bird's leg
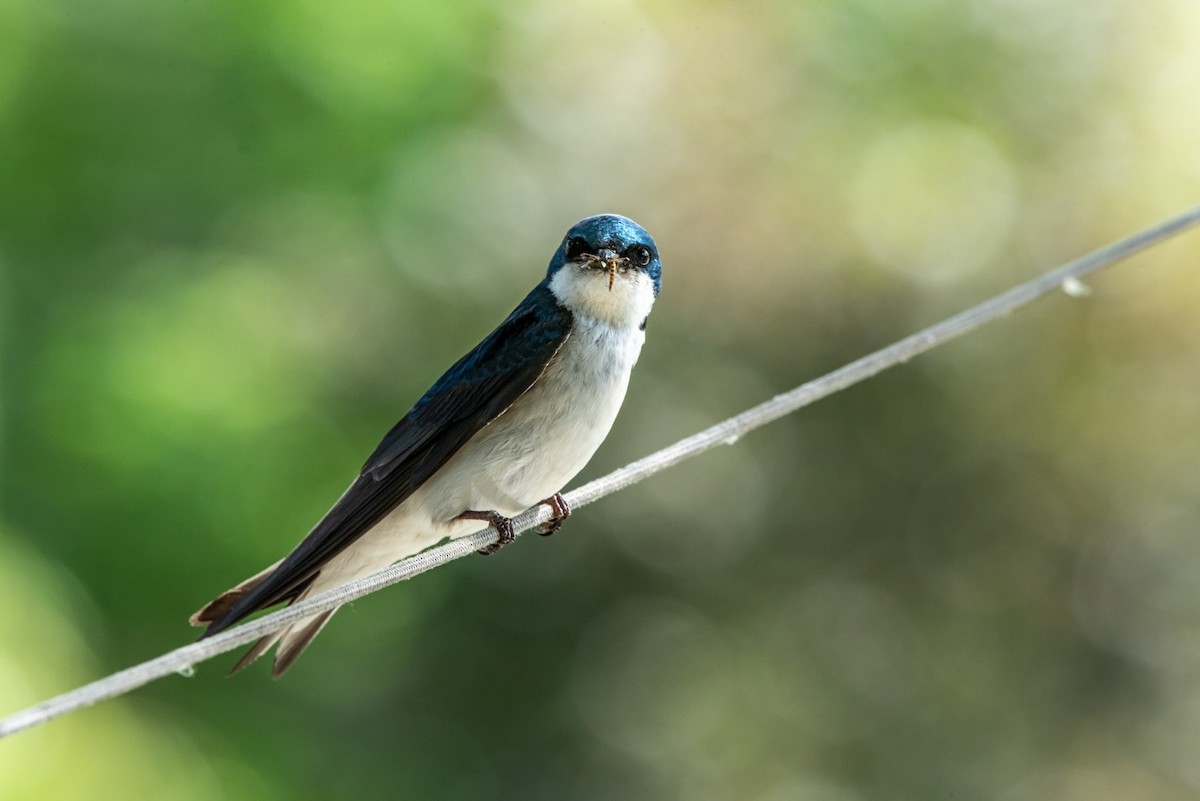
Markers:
point(500, 522)
point(560, 510)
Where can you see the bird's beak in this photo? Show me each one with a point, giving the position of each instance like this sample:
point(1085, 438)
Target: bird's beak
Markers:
point(610, 261)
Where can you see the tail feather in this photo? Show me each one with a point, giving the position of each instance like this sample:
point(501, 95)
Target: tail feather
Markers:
point(217, 607)
point(258, 649)
point(295, 639)
point(292, 639)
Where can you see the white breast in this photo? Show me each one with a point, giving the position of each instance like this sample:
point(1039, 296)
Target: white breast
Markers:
point(549, 434)
point(587, 294)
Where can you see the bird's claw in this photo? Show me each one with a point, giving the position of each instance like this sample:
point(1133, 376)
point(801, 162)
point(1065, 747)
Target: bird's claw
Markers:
point(498, 521)
point(560, 510)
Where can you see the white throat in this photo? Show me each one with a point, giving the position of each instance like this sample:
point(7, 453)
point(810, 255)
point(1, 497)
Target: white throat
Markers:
point(585, 292)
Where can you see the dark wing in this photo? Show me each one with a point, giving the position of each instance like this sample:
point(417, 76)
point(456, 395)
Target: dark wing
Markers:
point(476, 390)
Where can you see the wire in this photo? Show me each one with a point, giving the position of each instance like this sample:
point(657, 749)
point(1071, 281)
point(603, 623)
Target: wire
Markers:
point(181, 660)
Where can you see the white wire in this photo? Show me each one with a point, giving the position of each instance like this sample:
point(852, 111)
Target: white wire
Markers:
point(727, 432)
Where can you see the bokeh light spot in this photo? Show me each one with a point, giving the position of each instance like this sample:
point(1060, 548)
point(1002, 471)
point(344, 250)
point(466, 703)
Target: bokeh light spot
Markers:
point(934, 200)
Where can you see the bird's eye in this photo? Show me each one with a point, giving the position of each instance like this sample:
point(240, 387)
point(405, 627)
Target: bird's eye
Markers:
point(640, 255)
point(576, 248)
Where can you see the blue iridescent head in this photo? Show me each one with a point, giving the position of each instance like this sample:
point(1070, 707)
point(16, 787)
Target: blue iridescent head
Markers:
point(609, 242)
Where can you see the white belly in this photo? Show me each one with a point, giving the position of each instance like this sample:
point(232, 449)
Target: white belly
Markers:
point(548, 435)
point(522, 458)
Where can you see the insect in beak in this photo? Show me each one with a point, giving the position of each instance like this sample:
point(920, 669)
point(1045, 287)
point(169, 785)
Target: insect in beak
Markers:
point(610, 261)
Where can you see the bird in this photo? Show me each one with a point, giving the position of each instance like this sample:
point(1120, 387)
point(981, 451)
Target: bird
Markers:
point(503, 430)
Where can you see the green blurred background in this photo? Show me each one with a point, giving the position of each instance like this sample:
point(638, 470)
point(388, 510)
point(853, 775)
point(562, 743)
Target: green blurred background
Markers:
point(237, 240)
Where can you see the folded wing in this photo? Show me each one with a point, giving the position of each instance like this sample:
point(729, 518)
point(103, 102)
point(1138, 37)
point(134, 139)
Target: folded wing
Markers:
point(480, 387)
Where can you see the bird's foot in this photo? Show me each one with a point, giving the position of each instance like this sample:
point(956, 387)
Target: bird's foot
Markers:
point(500, 522)
point(560, 510)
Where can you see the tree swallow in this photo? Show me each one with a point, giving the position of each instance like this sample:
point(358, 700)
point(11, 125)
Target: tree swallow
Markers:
point(503, 430)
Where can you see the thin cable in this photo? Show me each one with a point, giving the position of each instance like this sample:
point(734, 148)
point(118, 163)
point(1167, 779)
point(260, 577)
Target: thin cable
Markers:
point(182, 659)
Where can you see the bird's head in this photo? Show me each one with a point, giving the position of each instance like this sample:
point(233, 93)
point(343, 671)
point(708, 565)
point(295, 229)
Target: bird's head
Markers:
point(607, 268)
point(609, 248)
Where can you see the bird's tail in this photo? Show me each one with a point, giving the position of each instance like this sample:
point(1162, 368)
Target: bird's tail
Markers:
point(292, 639)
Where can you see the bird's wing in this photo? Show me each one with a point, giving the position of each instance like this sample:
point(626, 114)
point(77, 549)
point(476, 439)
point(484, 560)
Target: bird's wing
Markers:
point(472, 393)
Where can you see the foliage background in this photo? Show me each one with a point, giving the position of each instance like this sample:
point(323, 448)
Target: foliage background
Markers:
point(238, 239)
